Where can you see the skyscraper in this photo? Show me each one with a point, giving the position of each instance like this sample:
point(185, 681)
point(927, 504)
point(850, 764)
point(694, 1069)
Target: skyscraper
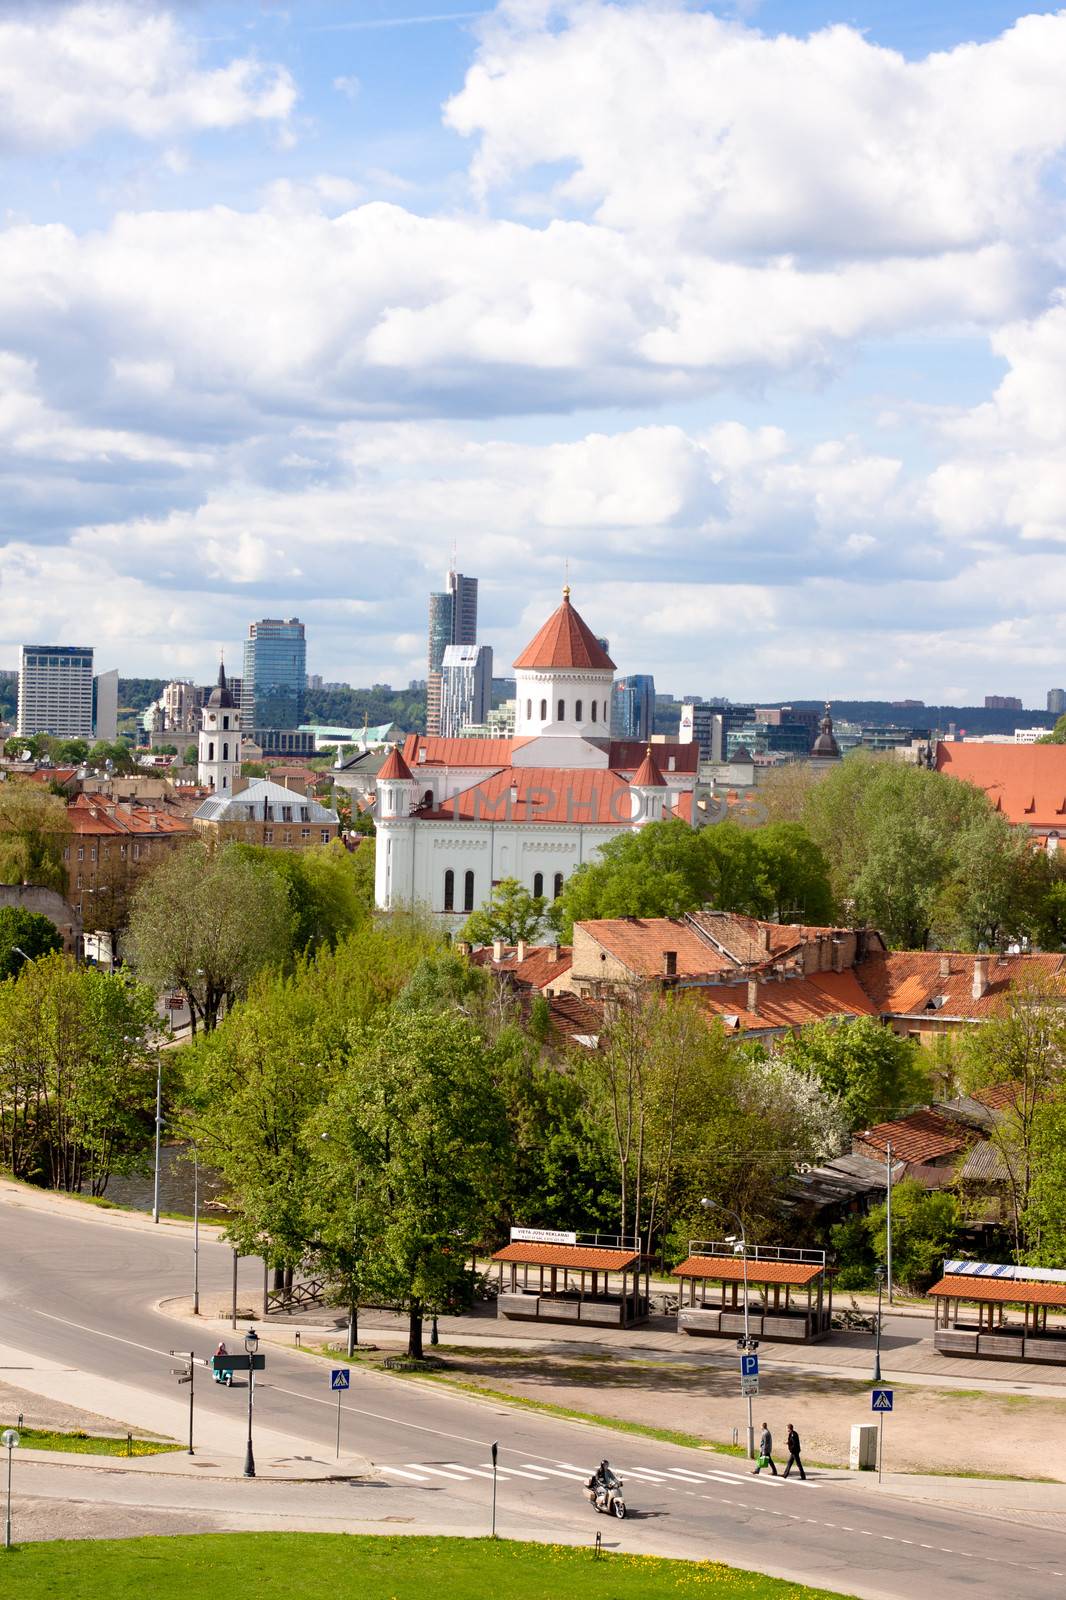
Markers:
point(466, 687)
point(633, 707)
point(452, 620)
point(275, 674)
point(1056, 701)
point(56, 690)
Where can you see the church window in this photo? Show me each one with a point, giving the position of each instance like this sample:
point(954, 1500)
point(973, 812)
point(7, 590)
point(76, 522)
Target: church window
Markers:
point(538, 883)
point(468, 891)
point(558, 884)
point(225, 752)
point(211, 751)
point(225, 722)
point(544, 711)
point(449, 890)
point(562, 711)
point(594, 711)
point(577, 712)
point(529, 711)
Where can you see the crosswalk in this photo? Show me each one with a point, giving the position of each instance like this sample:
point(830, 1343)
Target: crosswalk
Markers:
point(544, 1472)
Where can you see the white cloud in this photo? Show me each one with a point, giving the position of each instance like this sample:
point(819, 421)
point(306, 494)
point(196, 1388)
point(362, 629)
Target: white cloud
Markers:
point(69, 73)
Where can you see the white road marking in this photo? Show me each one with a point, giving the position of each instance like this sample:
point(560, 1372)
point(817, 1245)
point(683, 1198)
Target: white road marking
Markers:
point(516, 1472)
point(556, 1473)
point(476, 1472)
point(403, 1472)
point(456, 1477)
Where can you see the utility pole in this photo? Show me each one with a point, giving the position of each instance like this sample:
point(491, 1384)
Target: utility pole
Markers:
point(195, 1232)
point(187, 1375)
point(158, 1127)
point(888, 1217)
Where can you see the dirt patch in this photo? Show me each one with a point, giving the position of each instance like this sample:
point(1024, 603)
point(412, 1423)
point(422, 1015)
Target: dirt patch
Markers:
point(930, 1430)
point(55, 1416)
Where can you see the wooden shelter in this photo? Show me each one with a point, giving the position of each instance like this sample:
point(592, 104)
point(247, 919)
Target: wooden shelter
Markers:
point(790, 1295)
point(999, 1312)
point(547, 1280)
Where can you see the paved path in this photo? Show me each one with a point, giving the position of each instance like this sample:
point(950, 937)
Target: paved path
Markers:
point(78, 1293)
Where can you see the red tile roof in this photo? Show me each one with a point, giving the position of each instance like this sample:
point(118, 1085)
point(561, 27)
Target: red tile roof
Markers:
point(1027, 782)
point(541, 794)
point(626, 755)
point(394, 766)
point(640, 944)
point(441, 752)
point(90, 813)
point(906, 983)
point(921, 1136)
point(786, 1002)
point(565, 640)
point(536, 971)
point(1013, 1291)
point(597, 1257)
point(647, 775)
point(730, 1269)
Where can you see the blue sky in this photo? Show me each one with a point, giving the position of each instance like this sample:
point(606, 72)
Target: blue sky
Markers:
point(751, 320)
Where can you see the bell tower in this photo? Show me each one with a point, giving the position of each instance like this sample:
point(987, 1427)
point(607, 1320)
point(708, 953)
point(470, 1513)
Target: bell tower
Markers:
point(219, 746)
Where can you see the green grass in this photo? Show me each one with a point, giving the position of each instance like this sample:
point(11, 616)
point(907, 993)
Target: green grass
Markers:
point(91, 1444)
point(316, 1566)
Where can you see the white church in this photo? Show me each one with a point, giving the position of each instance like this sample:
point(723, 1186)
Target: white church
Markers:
point(455, 816)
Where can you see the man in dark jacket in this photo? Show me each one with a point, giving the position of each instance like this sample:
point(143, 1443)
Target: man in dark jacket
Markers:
point(793, 1443)
point(766, 1447)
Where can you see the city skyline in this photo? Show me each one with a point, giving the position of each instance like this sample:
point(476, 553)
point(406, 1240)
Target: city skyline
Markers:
point(786, 427)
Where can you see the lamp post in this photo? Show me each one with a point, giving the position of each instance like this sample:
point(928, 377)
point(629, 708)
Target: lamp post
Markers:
point(10, 1440)
point(158, 1127)
point(714, 1205)
point(251, 1345)
point(195, 1231)
point(888, 1217)
point(879, 1274)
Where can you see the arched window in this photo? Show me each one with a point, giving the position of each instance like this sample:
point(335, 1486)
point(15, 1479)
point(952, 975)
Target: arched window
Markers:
point(544, 711)
point(594, 711)
point(538, 883)
point(468, 891)
point(529, 711)
point(225, 722)
point(562, 711)
point(211, 751)
point(449, 890)
point(225, 752)
point(558, 884)
point(577, 712)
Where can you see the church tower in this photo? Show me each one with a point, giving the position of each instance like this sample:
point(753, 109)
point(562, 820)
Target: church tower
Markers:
point(563, 681)
point(219, 753)
point(394, 855)
point(647, 789)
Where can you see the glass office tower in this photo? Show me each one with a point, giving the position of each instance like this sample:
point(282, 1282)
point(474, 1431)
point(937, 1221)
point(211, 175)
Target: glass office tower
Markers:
point(275, 674)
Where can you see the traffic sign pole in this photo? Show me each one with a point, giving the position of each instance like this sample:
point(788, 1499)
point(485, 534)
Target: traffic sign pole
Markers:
point(881, 1402)
point(880, 1446)
point(339, 1381)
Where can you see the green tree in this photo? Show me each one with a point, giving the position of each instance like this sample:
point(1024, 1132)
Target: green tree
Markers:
point(327, 891)
point(793, 875)
point(26, 932)
point(510, 913)
point(205, 921)
point(873, 1072)
point(191, 756)
point(77, 1074)
point(417, 1127)
point(926, 1228)
point(33, 833)
point(70, 752)
point(1020, 1052)
point(1057, 734)
point(167, 750)
point(1044, 1223)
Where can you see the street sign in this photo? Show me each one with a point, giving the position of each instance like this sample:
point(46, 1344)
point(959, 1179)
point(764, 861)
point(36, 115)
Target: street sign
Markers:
point(339, 1378)
point(749, 1366)
point(881, 1400)
point(750, 1385)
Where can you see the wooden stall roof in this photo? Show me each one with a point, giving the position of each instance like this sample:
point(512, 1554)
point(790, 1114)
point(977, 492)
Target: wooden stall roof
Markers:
point(731, 1269)
point(1001, 1291)
point(589, 1258)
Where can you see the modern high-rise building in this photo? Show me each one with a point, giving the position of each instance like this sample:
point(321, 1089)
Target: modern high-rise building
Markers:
point(1056, 701)
point(452, 620)
point(105, 706)
point(274, 685)
point(56, 690)
point(1002, 702)
point(466, 687)
point(633, 707)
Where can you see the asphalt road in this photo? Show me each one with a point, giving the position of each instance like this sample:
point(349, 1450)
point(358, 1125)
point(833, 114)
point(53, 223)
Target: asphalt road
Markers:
point(81, 1291)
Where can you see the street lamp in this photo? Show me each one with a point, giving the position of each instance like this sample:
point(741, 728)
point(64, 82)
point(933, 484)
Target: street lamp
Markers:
point(714, 1205)
point(879, 1274)
point(195, 1230)
point(251, 1345)
point(10, 1440)
point(158, 1127)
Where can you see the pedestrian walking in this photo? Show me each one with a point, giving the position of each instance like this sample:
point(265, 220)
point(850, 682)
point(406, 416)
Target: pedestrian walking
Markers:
point(766, 1451)
point(792, 1441)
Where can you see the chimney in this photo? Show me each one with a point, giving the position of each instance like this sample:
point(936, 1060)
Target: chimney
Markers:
point(669, 963)
point(753, 996)
point(553, 953)
point(520, 951)
point(980, 976)
point(945, 966)
point(497, 949)
point(463, 947)
point(838, 955)
point(766, 937)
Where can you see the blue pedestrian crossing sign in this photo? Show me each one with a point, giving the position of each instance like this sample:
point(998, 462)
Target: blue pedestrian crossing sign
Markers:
point(881, 1400)
point(749, 1366)
point(339, 1378)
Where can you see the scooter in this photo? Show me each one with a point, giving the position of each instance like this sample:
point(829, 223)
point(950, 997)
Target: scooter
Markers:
point(606, 1497)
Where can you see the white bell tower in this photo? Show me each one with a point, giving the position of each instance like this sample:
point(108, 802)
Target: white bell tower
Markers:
point(219, 751)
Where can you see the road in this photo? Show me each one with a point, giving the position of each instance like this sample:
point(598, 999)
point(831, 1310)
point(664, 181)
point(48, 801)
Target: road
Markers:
point(81, 1291)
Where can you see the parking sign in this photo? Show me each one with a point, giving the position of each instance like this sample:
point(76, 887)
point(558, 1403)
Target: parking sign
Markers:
point(749, 1366)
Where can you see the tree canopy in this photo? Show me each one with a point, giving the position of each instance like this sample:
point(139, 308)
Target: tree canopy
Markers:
point(873, 1073)
point(25, 935)
point(510, 913)
point(33, 832)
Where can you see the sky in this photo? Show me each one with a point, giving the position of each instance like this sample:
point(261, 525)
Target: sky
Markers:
point(749, 321)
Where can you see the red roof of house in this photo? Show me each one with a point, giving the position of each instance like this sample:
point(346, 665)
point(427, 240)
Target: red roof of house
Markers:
point(1026, 782)
point(395, 766)
point(912, 983)
point(922, 1136)
point(786, 1002)
point(90, 813)
point(647, 775)
point(626, 755)
point(565, 640)
point(541, 965)
point(640, 944)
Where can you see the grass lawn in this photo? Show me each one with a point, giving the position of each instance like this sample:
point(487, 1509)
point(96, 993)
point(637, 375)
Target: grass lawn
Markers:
point(316, 1566)
point(91, 1444)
